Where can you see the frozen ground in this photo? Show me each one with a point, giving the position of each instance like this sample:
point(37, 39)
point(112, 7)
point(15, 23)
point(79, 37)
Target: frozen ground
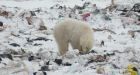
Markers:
point(22, 40)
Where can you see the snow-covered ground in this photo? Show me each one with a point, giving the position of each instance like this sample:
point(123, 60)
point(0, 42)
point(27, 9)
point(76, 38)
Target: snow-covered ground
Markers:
point(21, 39)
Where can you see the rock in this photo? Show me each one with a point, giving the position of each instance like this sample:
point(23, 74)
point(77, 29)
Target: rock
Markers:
point(58, 61)
point(100, 70)
point(67, 64)
point(102, 43)
point(42, 28)
point(106, 17)
point(136, 7)
point(92, 51)
point(29, 40)
point(13, 52)
point(6, 56)
point(41, 38)
point(97, 58)
point(0, 60)
point(31, 58)
point(15, 44)
point(1, 23)
point(110, 54)
point(32, 13)
point(37, 44)
point(100, 58)
point(115, 66)
point(40, 73)
point(47, 63)
point(44, 68)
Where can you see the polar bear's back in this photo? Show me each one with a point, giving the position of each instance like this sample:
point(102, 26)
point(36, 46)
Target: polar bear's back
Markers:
point(72, 26)
point(73, 22)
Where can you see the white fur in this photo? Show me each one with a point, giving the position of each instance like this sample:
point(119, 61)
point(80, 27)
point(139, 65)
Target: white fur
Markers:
point(75, 32)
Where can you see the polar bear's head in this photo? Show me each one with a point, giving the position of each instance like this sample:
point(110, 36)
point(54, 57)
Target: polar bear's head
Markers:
point(86, 43)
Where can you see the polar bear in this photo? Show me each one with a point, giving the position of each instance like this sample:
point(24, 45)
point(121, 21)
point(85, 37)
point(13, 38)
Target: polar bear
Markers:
point(76, 32)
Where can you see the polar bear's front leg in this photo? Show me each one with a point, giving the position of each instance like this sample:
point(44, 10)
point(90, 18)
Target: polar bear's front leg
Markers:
point(63, 47)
